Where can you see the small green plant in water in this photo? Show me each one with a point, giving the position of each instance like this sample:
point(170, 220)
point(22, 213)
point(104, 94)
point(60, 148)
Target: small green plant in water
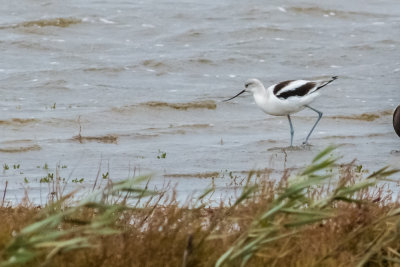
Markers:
point(45, 166)
point(44, 180)
point(358, 168)
point(161, 154)
point(6, 167)
point(47, 179)
point(16, 166)
point(76, 180)
point(105, 175)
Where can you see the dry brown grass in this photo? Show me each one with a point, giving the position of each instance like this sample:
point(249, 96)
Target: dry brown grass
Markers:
point(361, 228)
point(162, 237)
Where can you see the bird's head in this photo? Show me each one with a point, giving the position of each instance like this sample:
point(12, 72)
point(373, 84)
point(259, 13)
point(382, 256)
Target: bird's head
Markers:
point(251, 86)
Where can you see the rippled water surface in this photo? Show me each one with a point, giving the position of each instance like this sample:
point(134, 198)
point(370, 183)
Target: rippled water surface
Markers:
point(135, 87)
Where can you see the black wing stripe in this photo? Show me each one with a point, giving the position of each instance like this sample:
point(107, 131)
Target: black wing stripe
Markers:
point(299, 91)
point(281, 85)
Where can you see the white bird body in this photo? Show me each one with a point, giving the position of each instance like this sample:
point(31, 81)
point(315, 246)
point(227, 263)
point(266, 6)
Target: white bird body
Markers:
point(285, 98)
point(272, 105)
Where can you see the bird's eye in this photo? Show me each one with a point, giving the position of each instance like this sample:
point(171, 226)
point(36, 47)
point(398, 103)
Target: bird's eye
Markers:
point(247, 85)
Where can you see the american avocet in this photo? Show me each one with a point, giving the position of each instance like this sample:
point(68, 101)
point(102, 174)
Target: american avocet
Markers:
point(285, 98)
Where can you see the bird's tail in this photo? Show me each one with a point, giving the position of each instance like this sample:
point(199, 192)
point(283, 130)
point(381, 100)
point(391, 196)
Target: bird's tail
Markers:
point(325, 83)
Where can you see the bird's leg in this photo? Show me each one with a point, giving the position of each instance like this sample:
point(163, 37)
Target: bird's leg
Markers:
point(312, 129)
point(291, 130)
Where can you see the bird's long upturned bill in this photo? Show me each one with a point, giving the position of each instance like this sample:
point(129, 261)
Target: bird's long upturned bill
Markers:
point(235, 96)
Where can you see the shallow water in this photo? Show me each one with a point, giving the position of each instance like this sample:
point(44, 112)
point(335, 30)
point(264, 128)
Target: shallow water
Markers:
point(100, 86)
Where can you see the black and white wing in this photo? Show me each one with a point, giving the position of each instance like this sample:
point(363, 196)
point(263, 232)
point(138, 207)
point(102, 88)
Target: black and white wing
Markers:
point(298, 88)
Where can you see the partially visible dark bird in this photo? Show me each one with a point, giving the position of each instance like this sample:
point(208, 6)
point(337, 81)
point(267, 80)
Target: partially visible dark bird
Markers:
point(396, 120)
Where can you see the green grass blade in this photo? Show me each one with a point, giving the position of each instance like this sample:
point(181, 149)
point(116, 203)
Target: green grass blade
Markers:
point(323, 153)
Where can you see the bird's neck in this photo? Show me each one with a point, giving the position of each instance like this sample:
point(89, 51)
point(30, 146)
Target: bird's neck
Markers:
point(261, 93)
point(261, 97)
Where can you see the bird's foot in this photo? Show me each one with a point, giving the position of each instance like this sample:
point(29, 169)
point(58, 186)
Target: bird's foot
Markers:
point(306, 144)
point(292, 148)
point(283, 149)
